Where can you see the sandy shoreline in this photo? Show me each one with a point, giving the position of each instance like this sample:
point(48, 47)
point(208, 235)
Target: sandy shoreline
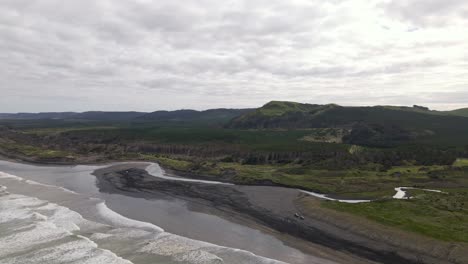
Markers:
point(274, 208)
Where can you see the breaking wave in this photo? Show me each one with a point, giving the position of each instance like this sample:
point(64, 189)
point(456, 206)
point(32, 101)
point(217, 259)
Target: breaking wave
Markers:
point(33, 230)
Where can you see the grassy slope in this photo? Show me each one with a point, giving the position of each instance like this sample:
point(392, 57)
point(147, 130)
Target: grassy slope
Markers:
point(459, 112)
point(441, 216)
point(273, 111)
point(278, 108)
point(461, 163)
point(31, 151)
point(353, 183)
point(414, 109)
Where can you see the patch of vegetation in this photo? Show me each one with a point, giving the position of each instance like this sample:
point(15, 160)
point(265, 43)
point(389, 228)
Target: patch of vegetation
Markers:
point(32, 151)
point(459, 112)
point(329, 135)
point(278, 108)
point(368, 182)
point(58, 130)
point(440, 216)
point(355, 149)
point(175, 164)
point(461, 163)
point(265, 140)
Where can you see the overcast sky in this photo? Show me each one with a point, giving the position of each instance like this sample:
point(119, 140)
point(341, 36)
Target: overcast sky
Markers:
point(79, 55)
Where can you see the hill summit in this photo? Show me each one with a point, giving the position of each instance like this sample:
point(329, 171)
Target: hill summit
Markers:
point(371, 126)
point(281, 114)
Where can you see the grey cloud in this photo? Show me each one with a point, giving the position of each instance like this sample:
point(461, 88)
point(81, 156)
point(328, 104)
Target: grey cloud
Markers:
point(118, 31)
point(427, 12)
point(163, 16)
point(400, 67)
point(456, 97)
point(143, 55)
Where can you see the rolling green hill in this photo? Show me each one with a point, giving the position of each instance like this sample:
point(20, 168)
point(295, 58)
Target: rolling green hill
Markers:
point(309, 124)
point(459, 112)
point(379, 126)
point(286, 115)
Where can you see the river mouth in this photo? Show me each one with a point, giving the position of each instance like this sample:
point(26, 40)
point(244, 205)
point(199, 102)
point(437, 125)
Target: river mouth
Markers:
point(174, 216)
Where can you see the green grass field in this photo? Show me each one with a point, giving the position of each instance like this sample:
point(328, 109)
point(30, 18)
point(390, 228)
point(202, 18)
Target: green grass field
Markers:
point(351, 183)
point(440, 216)
point(461, 163)
point(31, 151)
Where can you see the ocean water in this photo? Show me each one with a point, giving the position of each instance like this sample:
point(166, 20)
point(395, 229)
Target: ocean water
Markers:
point(57, 215)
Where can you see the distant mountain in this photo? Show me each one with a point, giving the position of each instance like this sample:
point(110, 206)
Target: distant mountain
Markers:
point(221, 115)
point(92, 115)
point(110, 116)
point(169, 115)
point(398, 123)
point(421, 109)
point(45, 115)
point(213, 115)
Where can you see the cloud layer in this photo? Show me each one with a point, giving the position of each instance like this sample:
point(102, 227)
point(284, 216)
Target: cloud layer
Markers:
point(147, 55)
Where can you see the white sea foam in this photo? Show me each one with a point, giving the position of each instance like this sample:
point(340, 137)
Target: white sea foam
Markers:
point(179, 249)
point(36, 234)
point(167, 244)
point(198, 257)
point(4, 175)
point(122, 221)
point(48, 185)
point(79, 250)
point(35, 231)
point(156, 171)
point(62, 217)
